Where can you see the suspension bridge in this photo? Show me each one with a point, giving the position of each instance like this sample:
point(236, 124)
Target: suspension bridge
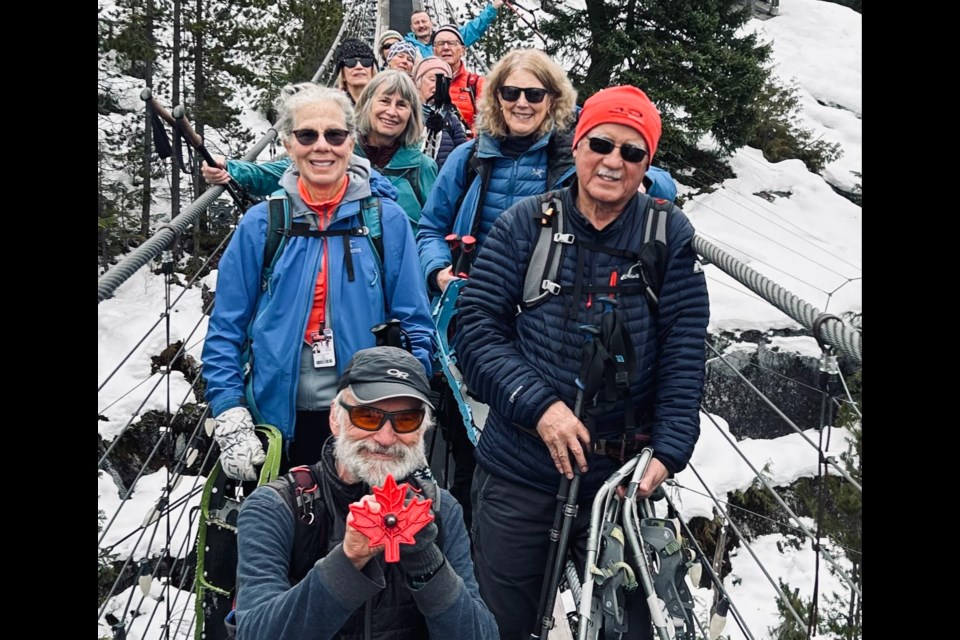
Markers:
point(156, 449)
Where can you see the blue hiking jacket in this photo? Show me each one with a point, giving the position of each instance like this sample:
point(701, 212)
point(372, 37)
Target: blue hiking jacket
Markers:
point(510, 181)
point(471, 32)
point(277, 318)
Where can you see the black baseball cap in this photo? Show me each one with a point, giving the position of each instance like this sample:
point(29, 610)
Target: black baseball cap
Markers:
point(379, 373)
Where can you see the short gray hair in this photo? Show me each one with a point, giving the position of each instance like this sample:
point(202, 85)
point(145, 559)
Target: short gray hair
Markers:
point(392, 81)
point(295, 96)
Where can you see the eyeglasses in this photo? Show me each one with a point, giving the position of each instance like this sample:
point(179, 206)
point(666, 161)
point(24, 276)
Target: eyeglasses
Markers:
point(335, 137)
point(349, 63)
point(534, 95)
point(440, 44)
point(629, 152)
point(373, 419)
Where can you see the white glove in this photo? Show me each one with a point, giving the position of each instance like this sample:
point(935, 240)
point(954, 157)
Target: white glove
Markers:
point(240, 449)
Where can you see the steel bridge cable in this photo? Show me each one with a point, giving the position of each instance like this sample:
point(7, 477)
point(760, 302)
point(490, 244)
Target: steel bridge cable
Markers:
point(843, 338)
point(776, 242)
point(774, 267)
point(780, 413)
point(107, 283)
point(755, 514)
point(786, 507)
point(143, 467)
point(743, 539)
point(749, 198)
point(143, 403)
point(714, 578)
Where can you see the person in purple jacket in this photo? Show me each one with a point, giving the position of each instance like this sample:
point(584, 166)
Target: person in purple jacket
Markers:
point(334, 584)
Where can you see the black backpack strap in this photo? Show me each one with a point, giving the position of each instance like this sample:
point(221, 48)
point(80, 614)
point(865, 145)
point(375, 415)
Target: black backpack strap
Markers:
point(475, 166)
point(300, 489)
point(653, 250)
point(543, 267)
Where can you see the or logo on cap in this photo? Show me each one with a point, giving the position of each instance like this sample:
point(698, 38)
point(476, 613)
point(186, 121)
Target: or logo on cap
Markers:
point(398, 374)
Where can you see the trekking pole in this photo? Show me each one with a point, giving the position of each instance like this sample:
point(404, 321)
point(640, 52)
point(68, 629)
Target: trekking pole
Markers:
point(468, 248)
point(238, 193)
point(562, 519)
point(453, 242)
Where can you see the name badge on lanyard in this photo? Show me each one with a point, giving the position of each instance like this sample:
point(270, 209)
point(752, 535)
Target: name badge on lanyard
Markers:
point(324, 354)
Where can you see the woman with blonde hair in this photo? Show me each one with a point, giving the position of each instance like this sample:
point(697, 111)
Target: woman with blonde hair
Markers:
point(522, 148)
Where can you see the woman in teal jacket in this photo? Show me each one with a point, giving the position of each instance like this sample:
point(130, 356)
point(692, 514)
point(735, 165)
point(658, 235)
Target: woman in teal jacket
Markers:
point(389, 128)
point(275, 350)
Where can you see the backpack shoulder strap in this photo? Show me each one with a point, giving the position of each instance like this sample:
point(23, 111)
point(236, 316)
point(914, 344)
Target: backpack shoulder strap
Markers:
point(653, 249)
point(301, 490)
point(472, 80)
point(543, 267)
point(371, 210)
point(475, 166)
point(278, 224)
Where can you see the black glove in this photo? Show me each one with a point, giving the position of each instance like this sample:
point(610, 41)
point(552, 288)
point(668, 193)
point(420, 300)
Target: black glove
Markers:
point(435, 122)
point(422, 560)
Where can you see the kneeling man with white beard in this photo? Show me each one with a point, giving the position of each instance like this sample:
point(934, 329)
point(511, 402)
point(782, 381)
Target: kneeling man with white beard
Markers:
point(305, 572)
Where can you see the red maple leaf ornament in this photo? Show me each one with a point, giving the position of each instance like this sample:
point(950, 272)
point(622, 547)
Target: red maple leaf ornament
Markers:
point(397, 522)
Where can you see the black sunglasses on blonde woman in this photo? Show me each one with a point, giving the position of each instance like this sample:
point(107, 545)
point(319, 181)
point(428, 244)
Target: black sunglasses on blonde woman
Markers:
point(534, 95)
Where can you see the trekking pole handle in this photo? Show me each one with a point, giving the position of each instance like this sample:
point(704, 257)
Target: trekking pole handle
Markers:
point(147, 96)
point(180, 114)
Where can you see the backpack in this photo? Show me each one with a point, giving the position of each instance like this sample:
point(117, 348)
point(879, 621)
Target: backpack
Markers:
point(472, 80)
point(543, 268)
point(280, 227)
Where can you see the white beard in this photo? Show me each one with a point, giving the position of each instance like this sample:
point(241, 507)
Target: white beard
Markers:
point(406, 459)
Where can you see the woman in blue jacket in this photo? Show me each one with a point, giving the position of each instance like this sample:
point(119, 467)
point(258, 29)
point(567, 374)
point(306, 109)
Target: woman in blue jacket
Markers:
point(389, 130)
point(328, 288)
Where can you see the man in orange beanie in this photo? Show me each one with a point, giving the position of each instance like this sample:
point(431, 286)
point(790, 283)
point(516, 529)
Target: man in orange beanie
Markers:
point(560, 405)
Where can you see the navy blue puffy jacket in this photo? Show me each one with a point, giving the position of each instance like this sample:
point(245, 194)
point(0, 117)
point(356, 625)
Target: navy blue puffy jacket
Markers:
point(520, 364)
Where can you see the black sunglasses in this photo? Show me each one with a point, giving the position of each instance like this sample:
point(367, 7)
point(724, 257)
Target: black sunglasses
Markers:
point(352, 62)
point(335, 137)
point(629, 152)
point(373, 419)
point(534, 95)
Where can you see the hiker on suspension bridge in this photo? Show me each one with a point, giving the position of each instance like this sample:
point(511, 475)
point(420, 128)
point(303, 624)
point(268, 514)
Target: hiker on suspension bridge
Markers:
point(444, 130)
point(284, 326)
point(522, 352)
point(305, 572)
point(389, 131)
point(387, 39)
point(421, 28)
point(466, 86)
point(403, 56)
point(355, 67)
point(516, 154)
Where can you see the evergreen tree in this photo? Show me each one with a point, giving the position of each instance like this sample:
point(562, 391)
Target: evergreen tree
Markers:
point(693, 57)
